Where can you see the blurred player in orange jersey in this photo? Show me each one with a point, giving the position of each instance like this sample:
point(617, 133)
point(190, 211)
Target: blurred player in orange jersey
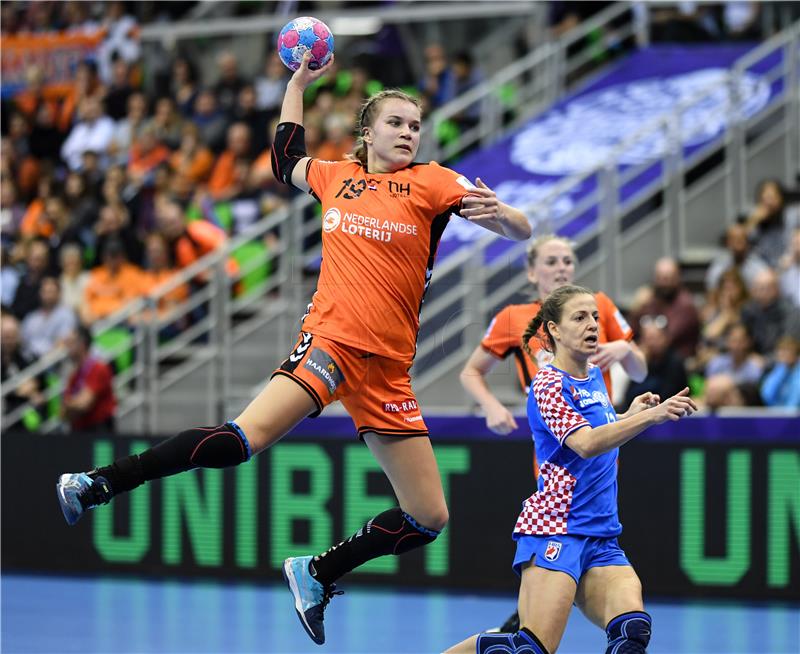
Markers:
point(551, 265)
point(383, 217)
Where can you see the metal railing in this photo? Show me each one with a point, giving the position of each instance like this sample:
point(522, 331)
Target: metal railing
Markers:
point(464, 295)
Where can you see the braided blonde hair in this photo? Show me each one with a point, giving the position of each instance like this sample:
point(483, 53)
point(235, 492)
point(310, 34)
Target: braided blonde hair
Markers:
point(367, 115)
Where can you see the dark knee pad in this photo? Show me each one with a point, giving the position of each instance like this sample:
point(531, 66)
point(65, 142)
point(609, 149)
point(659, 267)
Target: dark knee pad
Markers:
point(522, 642)
point(400, 532)
point(629, 633)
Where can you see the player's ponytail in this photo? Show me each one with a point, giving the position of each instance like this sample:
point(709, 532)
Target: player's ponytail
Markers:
point(551, 311)
point(366, 118)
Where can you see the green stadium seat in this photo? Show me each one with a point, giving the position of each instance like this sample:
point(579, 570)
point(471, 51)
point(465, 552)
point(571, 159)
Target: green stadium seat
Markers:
point(116, 344)
point(246, 255)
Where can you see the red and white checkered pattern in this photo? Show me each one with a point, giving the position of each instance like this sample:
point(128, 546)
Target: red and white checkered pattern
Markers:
point(559, 417)
point(545, 512)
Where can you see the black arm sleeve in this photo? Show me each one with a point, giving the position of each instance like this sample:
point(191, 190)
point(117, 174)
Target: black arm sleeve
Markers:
point(288, 148)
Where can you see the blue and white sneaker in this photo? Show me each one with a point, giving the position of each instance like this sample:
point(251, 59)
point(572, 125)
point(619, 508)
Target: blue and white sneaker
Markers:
point(310, 596)
point(77, 493)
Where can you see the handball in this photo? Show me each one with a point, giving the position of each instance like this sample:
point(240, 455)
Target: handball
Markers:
point(301, 34)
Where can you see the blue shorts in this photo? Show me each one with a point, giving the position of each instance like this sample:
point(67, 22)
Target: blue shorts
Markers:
point(571, 554)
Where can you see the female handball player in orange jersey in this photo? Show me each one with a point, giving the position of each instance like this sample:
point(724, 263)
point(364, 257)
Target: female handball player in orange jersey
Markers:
point(383, 216)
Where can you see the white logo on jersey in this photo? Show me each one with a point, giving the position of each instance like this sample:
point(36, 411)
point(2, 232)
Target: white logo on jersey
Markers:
point(465, 183)
point(331, 219)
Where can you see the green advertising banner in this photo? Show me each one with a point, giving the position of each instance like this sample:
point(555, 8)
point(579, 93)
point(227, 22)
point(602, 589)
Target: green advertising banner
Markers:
point(705, 519)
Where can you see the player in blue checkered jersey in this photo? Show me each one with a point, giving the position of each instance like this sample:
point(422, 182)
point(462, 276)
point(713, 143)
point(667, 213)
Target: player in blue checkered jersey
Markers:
point(567, 550)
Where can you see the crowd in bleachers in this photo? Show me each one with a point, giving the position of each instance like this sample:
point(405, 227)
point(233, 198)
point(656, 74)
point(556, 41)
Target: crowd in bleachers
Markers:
point(737, 341)
point(109, 185)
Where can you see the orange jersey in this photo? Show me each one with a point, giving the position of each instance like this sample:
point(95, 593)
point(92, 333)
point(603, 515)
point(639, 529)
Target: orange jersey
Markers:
point(504, 336)
point(380, 233)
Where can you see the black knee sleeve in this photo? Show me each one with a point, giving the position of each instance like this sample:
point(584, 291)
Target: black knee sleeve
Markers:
point(520, 642)
point(399, 532)
point(391, 532)
point(629, 633)
point(205, 447)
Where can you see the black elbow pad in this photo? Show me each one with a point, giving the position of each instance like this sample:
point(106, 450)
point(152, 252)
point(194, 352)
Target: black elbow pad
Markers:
point(288, 148)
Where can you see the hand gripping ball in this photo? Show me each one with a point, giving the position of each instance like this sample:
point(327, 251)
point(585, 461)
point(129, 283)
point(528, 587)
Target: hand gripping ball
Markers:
point(301, 34)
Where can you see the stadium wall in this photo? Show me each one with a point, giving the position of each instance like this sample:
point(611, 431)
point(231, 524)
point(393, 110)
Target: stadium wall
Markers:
point(710, 508)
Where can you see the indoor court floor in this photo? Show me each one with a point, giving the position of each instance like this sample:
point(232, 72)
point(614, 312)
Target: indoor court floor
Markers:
point(126, 616)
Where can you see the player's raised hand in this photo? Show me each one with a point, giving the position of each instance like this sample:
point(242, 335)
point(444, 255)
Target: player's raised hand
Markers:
point(500, 421)
point(304, 76)
point(676, 407)
point(481, 203)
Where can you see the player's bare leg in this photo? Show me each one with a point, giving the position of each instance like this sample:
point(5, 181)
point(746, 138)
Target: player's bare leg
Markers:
point(611, 597)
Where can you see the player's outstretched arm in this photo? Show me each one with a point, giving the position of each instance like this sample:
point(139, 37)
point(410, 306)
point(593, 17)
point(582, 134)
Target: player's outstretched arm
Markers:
point(588, 442)
point(289, 158)
point(473, 378)
point(483, 208)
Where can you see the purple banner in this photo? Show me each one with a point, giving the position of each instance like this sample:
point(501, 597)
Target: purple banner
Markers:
point(580, 132)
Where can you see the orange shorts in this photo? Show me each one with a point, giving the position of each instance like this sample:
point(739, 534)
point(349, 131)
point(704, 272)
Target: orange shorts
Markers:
point(376, 391)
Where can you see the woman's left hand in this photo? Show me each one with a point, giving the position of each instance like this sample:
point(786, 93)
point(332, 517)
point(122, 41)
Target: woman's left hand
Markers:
point(481, 203)
point(641, 402)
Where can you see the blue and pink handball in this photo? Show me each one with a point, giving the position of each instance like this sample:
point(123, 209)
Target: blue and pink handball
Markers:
point(301, 34)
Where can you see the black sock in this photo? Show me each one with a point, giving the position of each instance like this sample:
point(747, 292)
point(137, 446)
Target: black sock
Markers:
point(204, 447)
point(391, 532)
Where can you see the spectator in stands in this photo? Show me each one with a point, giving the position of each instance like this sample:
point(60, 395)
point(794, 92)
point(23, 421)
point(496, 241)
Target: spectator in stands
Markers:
point(147, 153)
point(93, 133)
point(437, 82)
point(46, 327)
point(246, 111)
point(126, 130)
point(114, 223)
point(119, 90)
point(45, 138)
point(781, 385)
point(338, 139)
point(157, 272)
point(722, 311)
point(188, 242)
point(167, 122)
point(271, 85)
point(229, 82)
point(89, 403)
point(14, 359)
point(111, 285)
point(11, 209)
point(767, 316)
point(669, 305)
point(73, 278)
point(37, 266)
point(789, 267)
point(739, 361)
point(9, 277)
point(770, 223)
point(210, 119)
point(721, 391)
point(666, 373)
point(737, 254)
point(80, 200)
point(183, 85)
point(122, 38)
point(465, 77)
point(86, 85)
point(192, 161)
point(228, 177)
